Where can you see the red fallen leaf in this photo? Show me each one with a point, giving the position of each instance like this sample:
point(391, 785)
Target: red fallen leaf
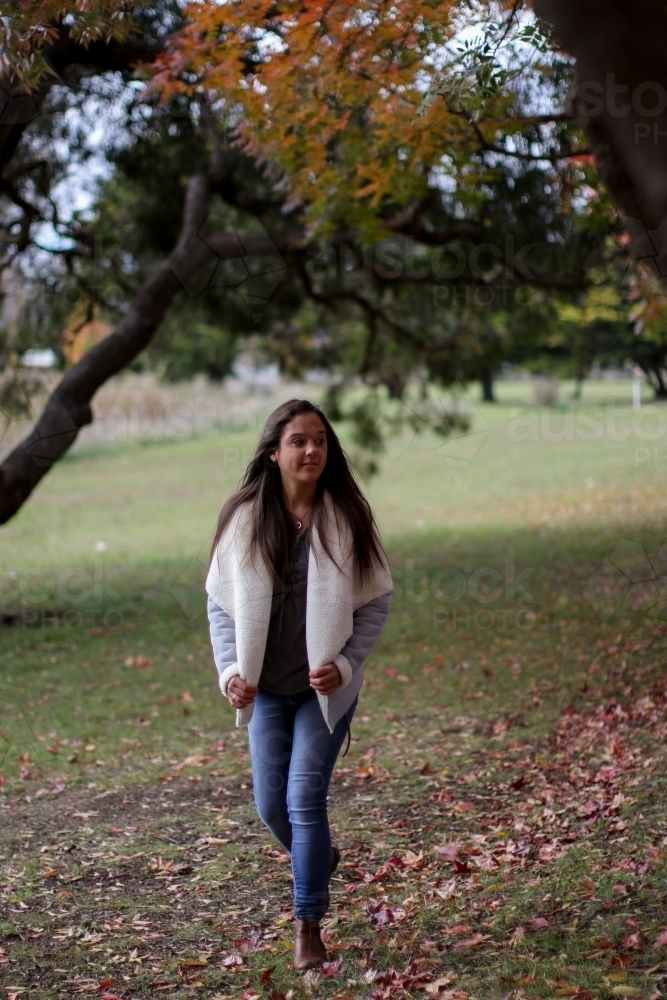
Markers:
point(518, 783)
point(267, 975)
point(245, 945)
point(633, 942)
point(473, 941)
point(621, 888)
point(273, 995)
point(426, 769)
point(104, 984)
point(390, 671)
point(393, 862)
point(109, 996)
point(457, 929)
point(537, 923)
point(661, 940)
point(461, 867)
point(332, 969)
point(383, 916)
point(622, 960)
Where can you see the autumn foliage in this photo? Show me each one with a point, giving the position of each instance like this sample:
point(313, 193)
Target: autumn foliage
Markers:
point(27, 28)
point(345, 102)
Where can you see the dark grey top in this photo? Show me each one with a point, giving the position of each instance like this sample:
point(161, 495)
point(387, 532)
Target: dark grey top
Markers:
point(285, 667)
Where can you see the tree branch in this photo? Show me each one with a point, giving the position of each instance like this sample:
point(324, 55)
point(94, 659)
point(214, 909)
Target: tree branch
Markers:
point(64, 54)
point(68, 408)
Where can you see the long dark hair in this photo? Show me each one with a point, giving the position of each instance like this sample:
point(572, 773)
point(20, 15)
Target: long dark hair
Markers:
point(273, 530)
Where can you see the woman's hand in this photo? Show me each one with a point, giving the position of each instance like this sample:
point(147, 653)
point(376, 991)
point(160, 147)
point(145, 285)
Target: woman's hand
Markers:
point(325, 679)
point(239, 693)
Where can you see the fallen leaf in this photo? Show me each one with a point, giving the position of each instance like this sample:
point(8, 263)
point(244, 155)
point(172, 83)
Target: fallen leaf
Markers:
point(537, 923)
point(448, 851)
point(412, 860)
point(440, 983)
point(473, 941)
point(331, 970)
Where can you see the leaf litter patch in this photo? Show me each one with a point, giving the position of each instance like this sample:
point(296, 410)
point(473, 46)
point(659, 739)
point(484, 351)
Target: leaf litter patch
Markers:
point(480, 865)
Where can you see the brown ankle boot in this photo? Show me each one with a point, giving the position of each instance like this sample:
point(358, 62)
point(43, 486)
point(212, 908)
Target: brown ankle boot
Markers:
point(308, 948)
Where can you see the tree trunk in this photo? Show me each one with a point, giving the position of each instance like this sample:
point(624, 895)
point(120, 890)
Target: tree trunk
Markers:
point(660, 387)
point(620, 102)
point(68, 408)
point(487, 387)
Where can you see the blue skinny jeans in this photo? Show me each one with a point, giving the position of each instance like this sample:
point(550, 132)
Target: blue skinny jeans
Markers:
point(293, 755)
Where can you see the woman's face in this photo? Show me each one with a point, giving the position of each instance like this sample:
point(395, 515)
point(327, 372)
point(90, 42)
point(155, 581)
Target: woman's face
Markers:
point(302, 453)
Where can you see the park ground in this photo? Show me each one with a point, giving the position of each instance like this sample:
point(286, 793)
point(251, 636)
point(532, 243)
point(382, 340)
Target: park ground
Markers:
point(501, 808)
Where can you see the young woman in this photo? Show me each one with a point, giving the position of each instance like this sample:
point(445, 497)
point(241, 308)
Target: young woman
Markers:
point(298, 593)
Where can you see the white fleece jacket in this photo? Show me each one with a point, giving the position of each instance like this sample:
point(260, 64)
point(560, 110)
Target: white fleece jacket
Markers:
point(243, 588)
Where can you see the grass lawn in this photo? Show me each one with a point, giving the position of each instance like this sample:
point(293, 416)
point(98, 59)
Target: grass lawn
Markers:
point(501, 809)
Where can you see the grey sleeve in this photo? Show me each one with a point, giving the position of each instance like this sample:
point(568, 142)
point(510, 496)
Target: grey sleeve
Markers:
point(367, 624)
point(223, 636)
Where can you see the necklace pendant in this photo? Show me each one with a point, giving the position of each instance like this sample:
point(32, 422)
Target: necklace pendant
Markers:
point(298, 524)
